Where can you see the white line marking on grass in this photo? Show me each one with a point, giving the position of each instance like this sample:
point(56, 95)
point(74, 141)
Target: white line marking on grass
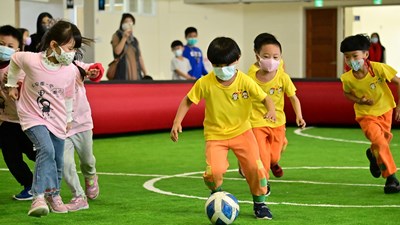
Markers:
point(149, 185)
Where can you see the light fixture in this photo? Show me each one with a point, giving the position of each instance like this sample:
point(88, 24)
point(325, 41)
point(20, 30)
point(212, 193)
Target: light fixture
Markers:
point(318, 3)
point(377, 2)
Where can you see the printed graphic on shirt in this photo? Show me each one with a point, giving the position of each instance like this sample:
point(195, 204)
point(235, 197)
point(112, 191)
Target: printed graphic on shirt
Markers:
point(196, 55)
point(240, 93)
point(43, 101)
point(44, 105)
point(274, 90)
point(374, 84)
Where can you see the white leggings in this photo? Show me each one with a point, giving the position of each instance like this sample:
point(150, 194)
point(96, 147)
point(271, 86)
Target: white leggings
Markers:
point(83, 144)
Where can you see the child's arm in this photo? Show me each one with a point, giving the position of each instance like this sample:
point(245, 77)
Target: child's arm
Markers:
point(297, 110)
point(184, 75)
point(362, 101)
point(12, 80)
point(269, 105)
point(396, 80)
point(180, 114)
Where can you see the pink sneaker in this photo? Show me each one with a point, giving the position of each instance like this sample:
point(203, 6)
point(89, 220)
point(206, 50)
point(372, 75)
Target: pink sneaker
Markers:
point(38, 208)
point(56, 204)
point(92, 187)
point(77, 203)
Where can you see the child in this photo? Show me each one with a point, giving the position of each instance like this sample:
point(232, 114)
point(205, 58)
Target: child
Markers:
point(228, 94)
point(44, 106)
point(26, 39)
point(13, 140)
point(80, 138)
point(194, 54)
point(180, 65)
point(274, 81)
point(366, 85)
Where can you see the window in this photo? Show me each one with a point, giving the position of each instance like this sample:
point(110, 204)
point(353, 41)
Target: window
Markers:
point(137, 7)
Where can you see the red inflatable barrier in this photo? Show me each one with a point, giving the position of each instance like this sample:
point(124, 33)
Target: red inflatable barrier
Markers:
point(136, 107)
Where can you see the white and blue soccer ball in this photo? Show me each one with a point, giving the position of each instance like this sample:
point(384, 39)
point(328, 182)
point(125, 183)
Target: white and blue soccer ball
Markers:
point(222, 208)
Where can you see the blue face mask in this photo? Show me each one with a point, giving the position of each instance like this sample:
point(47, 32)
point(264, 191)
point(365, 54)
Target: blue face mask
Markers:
point(5, 53)
point(225, 73)
point(192, 41)
point(356, 64)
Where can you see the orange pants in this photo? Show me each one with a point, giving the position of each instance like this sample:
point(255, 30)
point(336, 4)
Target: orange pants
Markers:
point(270, 143)
point(245, 148)
point(377, 130)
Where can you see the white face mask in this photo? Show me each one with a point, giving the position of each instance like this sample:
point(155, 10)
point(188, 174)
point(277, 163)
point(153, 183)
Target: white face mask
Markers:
point(225, 73)
point(374, 40)
point(355, 65)
point(64, 58)
point(127, 26)
point(178, 52)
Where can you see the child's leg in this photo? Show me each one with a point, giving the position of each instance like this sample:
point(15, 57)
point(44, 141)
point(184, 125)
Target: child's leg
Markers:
point(46, 174)
point(263, 138)
point(12, 149)
point(246, 150)
point(84, 147)
point(70, 175)
point(377, 130)
point(217, 163)
point(277, 142)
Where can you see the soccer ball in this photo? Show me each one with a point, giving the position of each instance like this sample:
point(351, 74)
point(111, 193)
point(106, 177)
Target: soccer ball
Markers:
point(222, 208)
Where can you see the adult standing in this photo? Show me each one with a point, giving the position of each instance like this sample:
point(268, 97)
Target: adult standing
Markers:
point(194, 54)
point(376, 50)
point(43, 23)
point(126, 48)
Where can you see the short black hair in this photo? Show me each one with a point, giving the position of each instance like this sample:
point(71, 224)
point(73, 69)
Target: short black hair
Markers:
point(357, 42)
point(190, 30)
point(265, 39)
point(223, 50)
point(8, 30)
point(176, 43)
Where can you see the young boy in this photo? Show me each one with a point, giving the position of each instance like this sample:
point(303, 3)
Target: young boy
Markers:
point(180, 65)
point(366, 85)
point(273, 80)
point(13, 140)
point(228, 94)
point(194, 54)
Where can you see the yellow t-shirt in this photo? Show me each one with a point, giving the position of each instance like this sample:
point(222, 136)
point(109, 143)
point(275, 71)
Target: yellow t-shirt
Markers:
point(255, 67)
point(374, 88)
point(276, 88)
point(228, 108)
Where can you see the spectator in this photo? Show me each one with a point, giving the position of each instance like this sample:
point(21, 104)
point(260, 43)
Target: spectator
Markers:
point(26, 39)
point(376, 50)
point(43, 23)
point(126, 48)
point(194, 54)
point(180, 65)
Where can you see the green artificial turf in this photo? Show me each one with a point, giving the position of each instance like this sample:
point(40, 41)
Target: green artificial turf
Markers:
point(326, 181)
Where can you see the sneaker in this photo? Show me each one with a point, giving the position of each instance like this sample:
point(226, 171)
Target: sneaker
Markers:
point(261, 211)
point(77, 203)
point(39, 208)
point(277, 170)
point(392, 185)
point(25, 194)
point(92, 187)
point(373, 166)
point(268, 189)
point(56, 204)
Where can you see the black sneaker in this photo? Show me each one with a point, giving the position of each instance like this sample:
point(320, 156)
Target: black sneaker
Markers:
point(373, 166)
point(268, 189)
point(392, 185)
point(261, 211)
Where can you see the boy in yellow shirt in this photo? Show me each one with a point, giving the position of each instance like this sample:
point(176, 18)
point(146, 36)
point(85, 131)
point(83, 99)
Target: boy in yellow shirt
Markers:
point(366, 85)
point(228, 94)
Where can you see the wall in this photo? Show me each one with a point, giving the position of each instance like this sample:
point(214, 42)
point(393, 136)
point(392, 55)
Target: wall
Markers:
point(7, 12)
point(383, 20)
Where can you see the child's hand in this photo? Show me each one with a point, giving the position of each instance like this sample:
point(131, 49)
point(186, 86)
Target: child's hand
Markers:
point(300, 122)
point(13, 93)
point(69, 126)
point(176, 129)
point(366, 101)
point(270, 116)
point(95, 72)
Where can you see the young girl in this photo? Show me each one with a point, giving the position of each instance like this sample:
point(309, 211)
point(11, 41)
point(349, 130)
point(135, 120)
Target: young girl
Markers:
point(274, 81)
point(44, 104)
point(80, 138)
